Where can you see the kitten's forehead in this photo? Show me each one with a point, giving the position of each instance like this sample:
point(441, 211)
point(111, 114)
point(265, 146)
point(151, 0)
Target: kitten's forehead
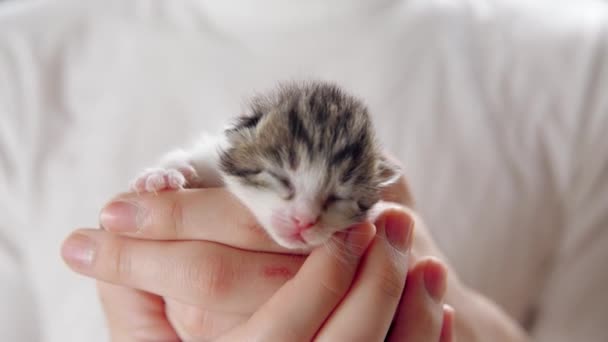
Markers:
point(317, 180)
point(316, 122)
point(310, 180)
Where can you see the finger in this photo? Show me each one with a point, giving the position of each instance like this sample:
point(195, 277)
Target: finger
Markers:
point(420, 313)
point(447, 330)
point(377, 288)
point(299, 308)
point(196, 324)
point(200, 273)
point(134, 315)
point(212, 214)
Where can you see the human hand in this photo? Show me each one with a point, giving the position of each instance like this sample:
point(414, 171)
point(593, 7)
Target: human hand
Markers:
point(478, 318)
point(320, 302)
point(203, 283)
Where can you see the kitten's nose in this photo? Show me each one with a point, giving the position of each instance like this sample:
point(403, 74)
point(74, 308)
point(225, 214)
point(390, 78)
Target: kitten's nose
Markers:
point(303, 223)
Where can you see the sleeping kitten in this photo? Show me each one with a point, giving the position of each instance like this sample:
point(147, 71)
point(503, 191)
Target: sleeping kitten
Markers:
point(304, 160)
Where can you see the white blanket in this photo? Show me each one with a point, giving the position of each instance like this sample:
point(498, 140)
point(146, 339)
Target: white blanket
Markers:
point(498, 111)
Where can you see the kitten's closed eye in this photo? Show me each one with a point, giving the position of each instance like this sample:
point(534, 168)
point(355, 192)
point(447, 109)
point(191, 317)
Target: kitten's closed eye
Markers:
point(275, 181)
point(334, 199)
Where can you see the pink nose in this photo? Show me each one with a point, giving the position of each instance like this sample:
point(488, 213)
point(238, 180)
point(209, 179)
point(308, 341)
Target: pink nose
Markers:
point(303, 223)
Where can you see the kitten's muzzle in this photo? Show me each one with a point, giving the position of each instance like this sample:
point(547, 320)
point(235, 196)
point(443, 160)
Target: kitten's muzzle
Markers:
point(303, 223)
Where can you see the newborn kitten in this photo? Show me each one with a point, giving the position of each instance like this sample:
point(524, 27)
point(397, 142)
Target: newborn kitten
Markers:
point(304, 160)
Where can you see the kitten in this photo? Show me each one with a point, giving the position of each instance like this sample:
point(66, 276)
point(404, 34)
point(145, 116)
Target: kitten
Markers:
point(304, 160)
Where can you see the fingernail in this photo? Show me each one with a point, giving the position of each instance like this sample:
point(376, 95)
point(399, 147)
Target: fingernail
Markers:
point(79, 250)
point(121, 217)
point(448, 310)
point(398, 228)
point(447, 330)
point(435, 280)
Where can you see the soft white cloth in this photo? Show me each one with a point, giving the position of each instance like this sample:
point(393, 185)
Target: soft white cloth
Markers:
point(499, 112)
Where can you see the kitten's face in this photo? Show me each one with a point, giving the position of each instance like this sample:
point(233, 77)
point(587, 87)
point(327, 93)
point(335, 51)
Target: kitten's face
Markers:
point(302, 208)
point(306, 165)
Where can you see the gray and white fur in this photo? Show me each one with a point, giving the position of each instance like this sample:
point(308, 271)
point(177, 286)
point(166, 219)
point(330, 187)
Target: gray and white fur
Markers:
point(304, 160)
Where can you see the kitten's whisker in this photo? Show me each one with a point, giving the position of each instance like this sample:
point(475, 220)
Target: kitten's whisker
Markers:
point(335, 252)
point(350, 248)
point(340, 250)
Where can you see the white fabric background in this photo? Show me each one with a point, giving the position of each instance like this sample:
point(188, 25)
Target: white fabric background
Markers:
point(498, 111)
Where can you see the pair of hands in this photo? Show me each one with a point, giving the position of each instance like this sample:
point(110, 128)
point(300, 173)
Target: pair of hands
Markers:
point(193, 265)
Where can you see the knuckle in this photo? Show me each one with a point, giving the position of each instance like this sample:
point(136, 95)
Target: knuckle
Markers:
point(427, 318)
point(212, 275)
point(176, 217)
point(334, 287)
point(219, 279)
point(196, 324)
point(390, 281)
point(119, 267)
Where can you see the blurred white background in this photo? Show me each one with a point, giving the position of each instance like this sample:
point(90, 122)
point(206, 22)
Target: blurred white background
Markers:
point(497, 110)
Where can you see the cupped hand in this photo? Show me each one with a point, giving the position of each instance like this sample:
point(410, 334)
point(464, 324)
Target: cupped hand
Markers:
point(177, 272)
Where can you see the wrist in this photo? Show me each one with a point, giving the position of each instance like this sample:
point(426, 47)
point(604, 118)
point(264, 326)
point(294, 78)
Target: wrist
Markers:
point(478, 318)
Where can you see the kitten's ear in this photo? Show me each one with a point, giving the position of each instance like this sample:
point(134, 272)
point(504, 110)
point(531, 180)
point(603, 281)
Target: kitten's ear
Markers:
point(387, 172)
point(244, 126)
point(248, 121)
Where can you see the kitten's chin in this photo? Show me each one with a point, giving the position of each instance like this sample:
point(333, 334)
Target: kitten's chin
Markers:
point(297, 244)
point(294, 244)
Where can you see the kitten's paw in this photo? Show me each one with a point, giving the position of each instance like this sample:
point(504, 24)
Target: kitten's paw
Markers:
point(158, 179)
